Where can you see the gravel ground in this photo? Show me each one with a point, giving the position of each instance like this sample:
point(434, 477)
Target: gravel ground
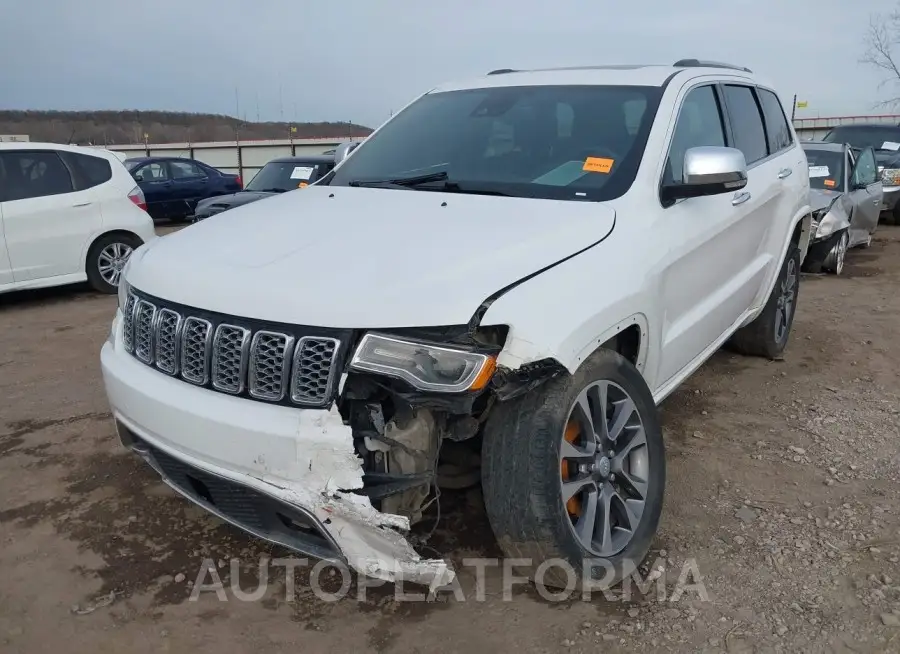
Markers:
point(782, 494)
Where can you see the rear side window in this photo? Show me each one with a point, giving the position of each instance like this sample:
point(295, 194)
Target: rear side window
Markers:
point(776, 124)
point(746, 122)
point(87, 171)
point(34, 174)
point(185, 170)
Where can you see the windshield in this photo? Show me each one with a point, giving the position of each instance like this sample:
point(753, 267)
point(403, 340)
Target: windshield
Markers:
point(877, 138)
point(561, 142)
point(826, 169)
point(279, 177)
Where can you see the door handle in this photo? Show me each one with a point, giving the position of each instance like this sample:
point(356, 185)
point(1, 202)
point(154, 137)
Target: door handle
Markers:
point(82, 204)
point(740, 198)
point(784, 172)
point(876, 202)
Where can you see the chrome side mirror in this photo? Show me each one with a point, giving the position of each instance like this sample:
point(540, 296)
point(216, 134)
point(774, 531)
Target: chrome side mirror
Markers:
point(709, 170)
point(343, 151)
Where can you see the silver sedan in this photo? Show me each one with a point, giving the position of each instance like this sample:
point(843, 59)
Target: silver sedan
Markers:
point(845, 195)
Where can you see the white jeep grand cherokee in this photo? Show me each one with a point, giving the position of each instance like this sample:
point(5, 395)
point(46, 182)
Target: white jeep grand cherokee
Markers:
point(519, 267)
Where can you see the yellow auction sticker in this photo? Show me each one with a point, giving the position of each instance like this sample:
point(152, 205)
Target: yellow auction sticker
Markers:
point(598, 165)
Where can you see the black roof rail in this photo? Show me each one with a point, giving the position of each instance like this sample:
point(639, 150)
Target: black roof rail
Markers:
point(502, 71)
point(699, 63)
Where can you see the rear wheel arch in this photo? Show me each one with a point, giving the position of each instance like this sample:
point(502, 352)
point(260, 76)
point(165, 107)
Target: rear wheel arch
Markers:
point(96, 239)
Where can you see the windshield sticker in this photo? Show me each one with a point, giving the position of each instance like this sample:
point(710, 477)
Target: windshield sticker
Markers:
point(830, 183)
point(890, 145)
point(561, 175)
point(302, 172)
point(819, 171)
point(598, 165)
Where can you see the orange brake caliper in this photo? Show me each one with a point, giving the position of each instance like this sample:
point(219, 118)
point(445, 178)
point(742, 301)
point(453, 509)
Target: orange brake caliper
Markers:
point(573, 506)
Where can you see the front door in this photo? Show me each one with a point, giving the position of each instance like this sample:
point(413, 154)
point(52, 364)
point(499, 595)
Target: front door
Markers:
point(866, 193)
point(46, 222)
point(720, 233)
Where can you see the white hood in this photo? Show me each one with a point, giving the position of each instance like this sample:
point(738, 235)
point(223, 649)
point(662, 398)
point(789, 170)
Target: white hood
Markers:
point(365, 258)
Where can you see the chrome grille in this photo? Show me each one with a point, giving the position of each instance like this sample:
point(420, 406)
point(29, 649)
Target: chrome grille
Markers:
point(195, 339)
point(311, 381)
point(168, 324)
point(229, 358)
point(144, 316)
point(270, 355)
point(128, 323)
point(272, 365)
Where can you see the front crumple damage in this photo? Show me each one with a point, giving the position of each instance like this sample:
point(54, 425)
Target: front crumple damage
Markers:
point(372, 542)
point(831, 213)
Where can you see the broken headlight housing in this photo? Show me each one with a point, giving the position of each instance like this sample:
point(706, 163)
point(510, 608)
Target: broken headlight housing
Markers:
point(825, 225)
point(426, 366)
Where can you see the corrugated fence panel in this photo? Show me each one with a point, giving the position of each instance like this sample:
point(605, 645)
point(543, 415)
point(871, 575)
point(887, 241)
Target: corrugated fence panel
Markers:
point(258, 156)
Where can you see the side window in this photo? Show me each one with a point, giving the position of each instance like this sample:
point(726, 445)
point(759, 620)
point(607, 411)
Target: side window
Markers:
point(88, 171)
point(776, 124)
point(152, 172)
point(33, 174)
point(866, 171)
point(699, 123)
point(185, 170)
point(746, 122)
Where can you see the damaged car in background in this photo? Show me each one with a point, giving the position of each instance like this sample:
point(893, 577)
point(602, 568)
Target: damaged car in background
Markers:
point(846, 197)
point(499, 286)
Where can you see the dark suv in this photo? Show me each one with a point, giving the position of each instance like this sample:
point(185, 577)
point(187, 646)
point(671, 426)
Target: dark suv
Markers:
point(885, 140)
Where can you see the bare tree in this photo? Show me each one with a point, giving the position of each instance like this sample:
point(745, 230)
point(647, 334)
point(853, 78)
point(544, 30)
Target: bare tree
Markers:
point(881, 42)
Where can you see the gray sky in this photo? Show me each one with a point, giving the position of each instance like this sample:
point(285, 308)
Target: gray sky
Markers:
point(360, 59)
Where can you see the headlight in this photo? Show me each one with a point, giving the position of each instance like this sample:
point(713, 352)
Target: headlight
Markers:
point(427, 367)
point(827, 224)
point(891, 176)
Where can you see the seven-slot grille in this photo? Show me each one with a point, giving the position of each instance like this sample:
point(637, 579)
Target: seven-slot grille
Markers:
point(267, 365)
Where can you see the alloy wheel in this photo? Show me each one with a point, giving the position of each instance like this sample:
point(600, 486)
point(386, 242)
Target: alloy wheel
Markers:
point(604, 468)
point(786, 296)
point(840, 253)
point(111, 262)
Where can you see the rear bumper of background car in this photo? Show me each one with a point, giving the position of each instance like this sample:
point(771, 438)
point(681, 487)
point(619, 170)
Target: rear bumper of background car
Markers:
point(280, 473)
point(891, 196)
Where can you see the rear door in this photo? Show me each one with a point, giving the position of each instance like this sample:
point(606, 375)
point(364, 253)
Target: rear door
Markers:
point(156, 183)
point(46, 219)
point(190, 183)
point(866, 193)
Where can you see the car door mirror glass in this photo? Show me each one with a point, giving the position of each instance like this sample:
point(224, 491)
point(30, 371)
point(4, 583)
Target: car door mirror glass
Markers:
point(709, 170)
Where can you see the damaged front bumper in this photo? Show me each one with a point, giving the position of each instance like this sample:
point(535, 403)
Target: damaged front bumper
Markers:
point(280, 473)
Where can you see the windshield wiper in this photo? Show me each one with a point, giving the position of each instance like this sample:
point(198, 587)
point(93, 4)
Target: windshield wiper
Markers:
point(266, 190)
point(406, 182)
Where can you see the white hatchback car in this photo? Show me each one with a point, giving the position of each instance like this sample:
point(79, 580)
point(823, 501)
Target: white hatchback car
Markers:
point(68, 214)
point(519, 266)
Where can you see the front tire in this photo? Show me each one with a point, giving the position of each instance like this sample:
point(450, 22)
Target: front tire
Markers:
point(575, 472)
point(767, 336)
point(107, 258)
point(834, 262)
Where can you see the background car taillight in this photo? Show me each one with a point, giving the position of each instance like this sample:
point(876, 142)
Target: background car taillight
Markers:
point(239, 181)
point(136, 195)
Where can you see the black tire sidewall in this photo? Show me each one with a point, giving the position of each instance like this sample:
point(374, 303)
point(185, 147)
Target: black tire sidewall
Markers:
point(543, 438)
point(772, 308)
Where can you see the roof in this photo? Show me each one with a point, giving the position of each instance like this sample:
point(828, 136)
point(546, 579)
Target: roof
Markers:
point(612, 75)
point(38, 145)
point(306, 158)
point(823, 145)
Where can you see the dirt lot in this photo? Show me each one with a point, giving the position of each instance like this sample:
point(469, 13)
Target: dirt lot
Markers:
point(783, 488)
